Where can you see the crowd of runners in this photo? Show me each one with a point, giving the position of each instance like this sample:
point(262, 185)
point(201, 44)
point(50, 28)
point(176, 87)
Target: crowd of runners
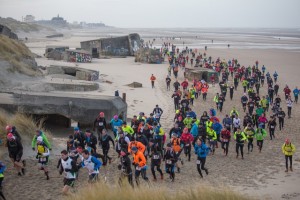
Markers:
point(144, 144)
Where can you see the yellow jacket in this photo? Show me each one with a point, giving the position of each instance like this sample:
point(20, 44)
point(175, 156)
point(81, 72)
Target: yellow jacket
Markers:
point(288, 149)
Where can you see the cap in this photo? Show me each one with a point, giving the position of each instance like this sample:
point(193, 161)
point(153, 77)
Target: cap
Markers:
point(116, 117)
point(122, 153)
point(39, 139)
point(101, 114)
point(8, 128)
point(185, 130)
point(76, 129)
point(287, 140)
point(10, 136)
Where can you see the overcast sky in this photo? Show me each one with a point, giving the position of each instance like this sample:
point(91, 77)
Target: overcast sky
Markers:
point(162, 13)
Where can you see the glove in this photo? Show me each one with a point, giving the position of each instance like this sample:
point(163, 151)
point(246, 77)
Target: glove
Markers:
point(33, 148)
point(37, 156)
point(67, 170)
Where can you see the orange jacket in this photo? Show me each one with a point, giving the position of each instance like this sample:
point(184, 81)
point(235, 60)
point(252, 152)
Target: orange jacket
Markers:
point(138, 145)
point(139, 158)
point(152, 78)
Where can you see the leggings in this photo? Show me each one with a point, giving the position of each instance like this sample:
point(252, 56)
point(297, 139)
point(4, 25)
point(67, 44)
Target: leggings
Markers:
point(170, 170)
point(187, 151)
point(105, 154)
point(281, 123)
point(138, 173)
point(250, 144)
point(129, 178)
point(153, 165)
point(286, 161)
point(200, 165)
point(272, 131)
point(260, 144)
point(1, 193)
point(239, 146)
point(225, 146)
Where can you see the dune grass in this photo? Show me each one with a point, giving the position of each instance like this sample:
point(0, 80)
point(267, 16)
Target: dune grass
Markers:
point(15, 52)
point(26, 125)
point(104, 191)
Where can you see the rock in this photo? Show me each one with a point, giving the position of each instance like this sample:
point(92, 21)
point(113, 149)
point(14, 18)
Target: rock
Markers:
point(135, 85)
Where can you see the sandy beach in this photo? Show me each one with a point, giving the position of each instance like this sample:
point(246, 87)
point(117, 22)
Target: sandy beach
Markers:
point(259, 175)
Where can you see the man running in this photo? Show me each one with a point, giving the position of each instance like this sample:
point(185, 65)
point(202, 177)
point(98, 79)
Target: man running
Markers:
point(152, 79)
point(69, 168)
point(92, 164)
point(157, 111)
point(170, 160)
point(240, 139)
point(104, 142)
point(201, 150)
point(15, 151)
point(125, 167)
point(139, 161)
point(43, 154)
point(260, 134)
point(288, 149)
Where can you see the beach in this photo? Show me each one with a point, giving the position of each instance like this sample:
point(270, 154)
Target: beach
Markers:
point(259, 175)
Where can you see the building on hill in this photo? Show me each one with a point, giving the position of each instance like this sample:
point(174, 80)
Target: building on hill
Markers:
point(55, 21)
point(29, 19)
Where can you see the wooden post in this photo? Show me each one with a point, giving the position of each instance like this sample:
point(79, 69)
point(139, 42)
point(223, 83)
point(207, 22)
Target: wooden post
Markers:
point(124, 97)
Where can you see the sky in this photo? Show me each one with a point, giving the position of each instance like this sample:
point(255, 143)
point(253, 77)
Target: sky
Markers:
point(162, 13)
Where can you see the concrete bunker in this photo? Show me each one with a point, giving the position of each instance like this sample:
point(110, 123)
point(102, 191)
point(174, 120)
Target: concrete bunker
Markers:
point(202, 74)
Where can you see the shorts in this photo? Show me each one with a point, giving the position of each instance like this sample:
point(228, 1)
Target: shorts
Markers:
point(69, 182)
point(43, 161)
point(16, 157)
point(93, 178)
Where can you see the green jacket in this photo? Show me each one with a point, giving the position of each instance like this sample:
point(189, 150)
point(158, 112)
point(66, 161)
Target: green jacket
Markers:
point(212, 134)
point(45, 140)
point(259, 111)
point(260, 134)
point(240, 137)
point(188, 122)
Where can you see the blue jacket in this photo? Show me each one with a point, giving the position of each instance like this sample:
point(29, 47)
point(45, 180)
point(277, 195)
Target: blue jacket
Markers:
point(217, 127)
point(202, 151)
point(2, 169)
point(296, 92)
point(227, 121)
point(192, 114)
point(115, 124)
point(194, 130)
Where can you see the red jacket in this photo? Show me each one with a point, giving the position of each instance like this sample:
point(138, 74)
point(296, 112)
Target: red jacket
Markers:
point(187, 138)
point(225, 135)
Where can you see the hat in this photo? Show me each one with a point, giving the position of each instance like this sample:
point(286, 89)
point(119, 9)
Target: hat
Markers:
point(101, 114)
point(39, 139)
point(76, 129)
point(151, 114)
point(10, 136)
point(134, 149)
point(287, 141)
point(122, 153)
point(8, 128)
point(116, 117)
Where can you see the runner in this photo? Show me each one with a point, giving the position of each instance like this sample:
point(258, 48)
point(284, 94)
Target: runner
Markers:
point(13, 130)
point(152, 79)
point(168, 81)
point(187, 139)
point(115, 123)
point(240, 139)
point(289, 103)
point(125, 167)
point(281, 116)
point(69, 167)
point(79, 138)
point(170, 160)
point(45, 140)
point(212, 138)
point(272, 125)
point(201, 150)
point(156, 162)
point(104, 142)
point(157, 111)
point(250, 133)
point(90, 140)
point(2, 169)
point(15, 151)
point(139, 161)
point(43, 154)
point(288, 149)
point(225, 139)
point(100, 124)
point(296, 92)
point(260, 134)
point(92, 164)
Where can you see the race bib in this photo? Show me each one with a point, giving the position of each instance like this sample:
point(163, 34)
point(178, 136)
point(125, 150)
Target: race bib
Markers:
point(155, 157)
point(187, 145)
point(198, 162)
point(272, 126)
point(138, 168)
point(169, 161)
point(115, 127)
point(43, 159)
point(225, 140)
point(100, 123)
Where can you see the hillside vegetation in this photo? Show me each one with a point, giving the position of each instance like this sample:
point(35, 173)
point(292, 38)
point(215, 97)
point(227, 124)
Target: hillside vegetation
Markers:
point(200, 192)
point(18, 55)
point(17, 26)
